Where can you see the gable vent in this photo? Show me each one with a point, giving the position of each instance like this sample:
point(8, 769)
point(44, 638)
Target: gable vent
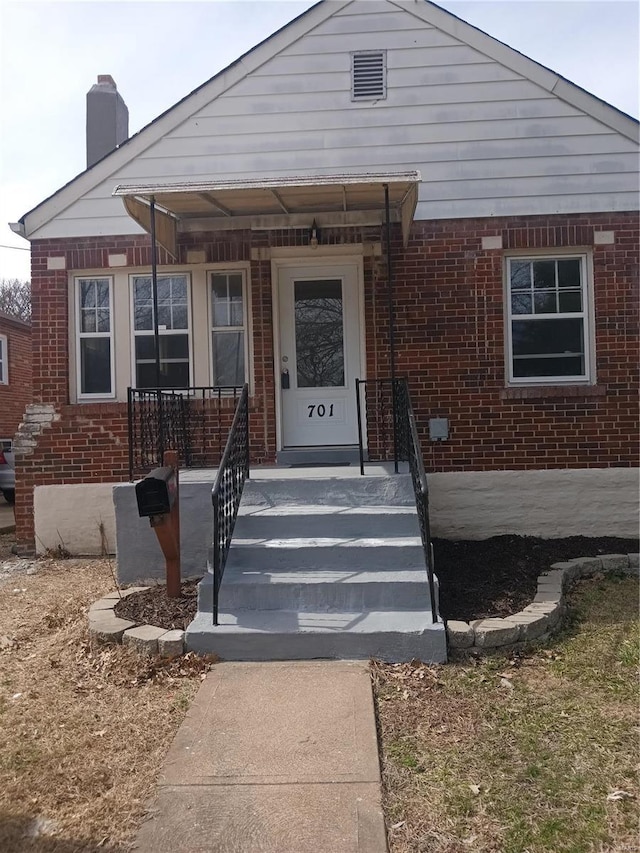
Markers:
point(368, 75)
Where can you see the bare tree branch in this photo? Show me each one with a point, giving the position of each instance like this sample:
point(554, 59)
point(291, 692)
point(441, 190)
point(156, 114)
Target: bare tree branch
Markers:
point(15, 298)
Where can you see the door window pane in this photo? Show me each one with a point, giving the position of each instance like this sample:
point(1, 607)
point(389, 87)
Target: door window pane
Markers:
point(319, 335)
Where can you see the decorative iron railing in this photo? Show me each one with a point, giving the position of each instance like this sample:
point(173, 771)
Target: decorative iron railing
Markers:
point(227, 491)
point(393, 434)
point(192, 421)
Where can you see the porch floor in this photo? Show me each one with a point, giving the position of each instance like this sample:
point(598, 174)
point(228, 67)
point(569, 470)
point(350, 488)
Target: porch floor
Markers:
point(310, 472)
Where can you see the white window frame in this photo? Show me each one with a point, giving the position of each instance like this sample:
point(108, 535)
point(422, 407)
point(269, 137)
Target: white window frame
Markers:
point(4, 360)
point(586, 275)
point(161, 332)
point(245, 318)
point(80, 335)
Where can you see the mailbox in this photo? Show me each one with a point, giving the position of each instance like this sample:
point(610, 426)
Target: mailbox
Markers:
point(156, 494)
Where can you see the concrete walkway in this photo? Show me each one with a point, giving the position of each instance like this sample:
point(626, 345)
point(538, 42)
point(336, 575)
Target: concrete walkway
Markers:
point(273, 758)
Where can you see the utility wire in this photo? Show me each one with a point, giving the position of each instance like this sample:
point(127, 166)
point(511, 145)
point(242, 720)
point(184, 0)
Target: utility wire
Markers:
point(19, 248)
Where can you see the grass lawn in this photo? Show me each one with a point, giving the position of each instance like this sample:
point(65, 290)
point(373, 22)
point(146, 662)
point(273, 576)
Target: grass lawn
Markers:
point(524, 753)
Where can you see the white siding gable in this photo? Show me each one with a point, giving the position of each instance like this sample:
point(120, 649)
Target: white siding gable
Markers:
point(488, 138)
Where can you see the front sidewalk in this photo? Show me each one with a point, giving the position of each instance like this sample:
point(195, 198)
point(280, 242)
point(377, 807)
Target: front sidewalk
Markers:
point(273, 758)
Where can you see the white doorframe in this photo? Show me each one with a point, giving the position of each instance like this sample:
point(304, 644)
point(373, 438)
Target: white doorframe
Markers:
point(312, 260)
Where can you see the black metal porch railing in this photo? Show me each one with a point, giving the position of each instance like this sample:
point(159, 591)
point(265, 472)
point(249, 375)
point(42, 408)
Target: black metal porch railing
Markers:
point(387, 426)
point(393, 434)
point(192, 421)
point(227, 491)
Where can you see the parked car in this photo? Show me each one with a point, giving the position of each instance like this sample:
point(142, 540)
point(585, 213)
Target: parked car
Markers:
point(7, 471)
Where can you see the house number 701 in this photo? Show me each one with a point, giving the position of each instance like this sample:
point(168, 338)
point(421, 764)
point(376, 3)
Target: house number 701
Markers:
point(320, 410)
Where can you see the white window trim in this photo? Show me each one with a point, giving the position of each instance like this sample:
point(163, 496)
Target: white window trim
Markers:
point(162, 332)
point(79, 335)
point(586, 271)
point(248, 338)
point(4, 360)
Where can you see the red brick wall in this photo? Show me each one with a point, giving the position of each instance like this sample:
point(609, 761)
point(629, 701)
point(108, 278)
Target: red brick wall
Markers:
point(17, 393)
point(449, 343)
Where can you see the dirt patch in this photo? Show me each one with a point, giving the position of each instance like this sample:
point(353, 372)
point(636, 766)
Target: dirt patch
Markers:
point(153, 607)
point(498, 576)
point(7, 541)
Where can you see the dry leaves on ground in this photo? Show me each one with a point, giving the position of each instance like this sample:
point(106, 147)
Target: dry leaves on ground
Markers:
point(534, 751)
point(85, 730)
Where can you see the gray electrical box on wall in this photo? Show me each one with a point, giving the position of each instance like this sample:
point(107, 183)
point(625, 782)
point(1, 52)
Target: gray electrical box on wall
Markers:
point(438, 429)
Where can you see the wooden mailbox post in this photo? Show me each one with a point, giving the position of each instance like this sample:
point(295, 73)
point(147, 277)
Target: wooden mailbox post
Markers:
point(159, 500)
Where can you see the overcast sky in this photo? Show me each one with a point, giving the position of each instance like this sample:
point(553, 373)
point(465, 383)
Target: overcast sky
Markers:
point(51, 53)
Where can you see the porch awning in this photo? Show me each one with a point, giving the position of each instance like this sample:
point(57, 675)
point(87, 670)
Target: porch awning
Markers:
point(274, 203)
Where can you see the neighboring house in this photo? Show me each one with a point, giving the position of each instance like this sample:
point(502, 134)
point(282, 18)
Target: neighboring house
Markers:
point(513, 196)
point(15, 373)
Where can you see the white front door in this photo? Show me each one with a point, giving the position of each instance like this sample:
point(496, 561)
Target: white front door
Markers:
point(319, 354)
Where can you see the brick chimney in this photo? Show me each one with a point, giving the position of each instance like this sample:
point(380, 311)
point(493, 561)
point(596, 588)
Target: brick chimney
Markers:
point(107, 119)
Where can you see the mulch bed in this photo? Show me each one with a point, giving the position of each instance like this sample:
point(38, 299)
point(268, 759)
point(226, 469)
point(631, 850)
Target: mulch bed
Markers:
point(498, 576)
point(478, 579)
point(152, 607)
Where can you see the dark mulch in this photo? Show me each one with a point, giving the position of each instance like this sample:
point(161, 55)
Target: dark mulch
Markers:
point(152, 607)
point(498, 576)
point(491, 577)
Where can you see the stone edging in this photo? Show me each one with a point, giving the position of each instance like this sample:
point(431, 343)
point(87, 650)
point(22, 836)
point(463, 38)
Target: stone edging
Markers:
point(536, 622)
point(544, 614)
point(107, 628)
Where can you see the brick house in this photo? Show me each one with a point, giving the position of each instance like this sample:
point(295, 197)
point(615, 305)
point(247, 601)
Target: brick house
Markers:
point(15, 372)
point(469, 216)
point(15, 375)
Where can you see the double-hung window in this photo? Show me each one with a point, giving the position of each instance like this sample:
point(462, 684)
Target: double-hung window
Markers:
point(548, 322)
point(94, 324)
point(228, 328)
point(4, 361)
point(173, 331)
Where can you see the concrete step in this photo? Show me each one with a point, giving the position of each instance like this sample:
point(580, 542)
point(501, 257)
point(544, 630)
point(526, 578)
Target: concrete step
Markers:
point(292, 635)
point(325, 552)
point(309, 520)
point(343, 491)
point(315, 590)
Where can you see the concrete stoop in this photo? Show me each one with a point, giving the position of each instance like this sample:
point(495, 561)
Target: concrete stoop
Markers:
point(322, 568)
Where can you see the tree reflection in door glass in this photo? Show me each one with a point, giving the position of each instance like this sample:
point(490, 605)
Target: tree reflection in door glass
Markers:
point(319, 333)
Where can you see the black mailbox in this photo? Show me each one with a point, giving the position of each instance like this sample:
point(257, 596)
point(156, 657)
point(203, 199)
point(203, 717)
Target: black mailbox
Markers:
point(156, 494)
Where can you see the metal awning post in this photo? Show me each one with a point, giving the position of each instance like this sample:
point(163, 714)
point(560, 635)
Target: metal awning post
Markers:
point(156, 333)
point(392, 327)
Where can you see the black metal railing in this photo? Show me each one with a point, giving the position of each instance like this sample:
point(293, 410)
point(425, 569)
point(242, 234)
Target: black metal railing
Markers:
point(387, 428)
point(192, 421)
point(227, 491)
point(393, 434)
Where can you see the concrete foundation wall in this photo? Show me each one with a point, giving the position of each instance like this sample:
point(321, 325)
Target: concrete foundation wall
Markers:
point(138, 552)
point(549, 504)
point(70, 516)
point(472, 505)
